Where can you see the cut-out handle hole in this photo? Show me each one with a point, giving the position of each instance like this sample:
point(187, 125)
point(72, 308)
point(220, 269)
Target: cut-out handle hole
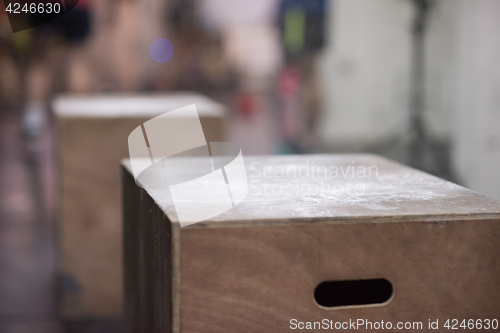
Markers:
point(332, 294)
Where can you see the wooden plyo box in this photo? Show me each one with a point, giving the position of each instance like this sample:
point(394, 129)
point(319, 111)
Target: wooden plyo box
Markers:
point(92, 139)
point(308, 220)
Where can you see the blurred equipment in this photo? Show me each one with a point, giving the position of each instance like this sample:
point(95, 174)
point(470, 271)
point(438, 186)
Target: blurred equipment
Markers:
point(302, 25)
point(422, 148)
point(420, 142)
point(417, 239)
point(74, 25)
point(92, 138)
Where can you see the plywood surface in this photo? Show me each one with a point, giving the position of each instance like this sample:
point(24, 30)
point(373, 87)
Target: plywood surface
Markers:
point(296, 189)
point(255, 268)
point(259, 278)
point(131, 105)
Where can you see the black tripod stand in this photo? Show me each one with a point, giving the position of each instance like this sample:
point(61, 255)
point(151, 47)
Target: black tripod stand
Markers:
point(419, 143)
point(423, 152)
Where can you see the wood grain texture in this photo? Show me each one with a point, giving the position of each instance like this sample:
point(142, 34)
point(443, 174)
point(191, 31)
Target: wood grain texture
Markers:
point(293, 190)
point(255, 268)
point(90, 227)
point(259, 278)
point(148, 244)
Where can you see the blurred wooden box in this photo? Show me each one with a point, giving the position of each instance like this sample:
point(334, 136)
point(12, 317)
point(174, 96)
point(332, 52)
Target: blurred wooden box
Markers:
point(93, 138)
point(260, 265)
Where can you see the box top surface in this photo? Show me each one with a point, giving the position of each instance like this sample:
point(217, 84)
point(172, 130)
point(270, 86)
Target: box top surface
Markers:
point(129, 105)
point(341, 189)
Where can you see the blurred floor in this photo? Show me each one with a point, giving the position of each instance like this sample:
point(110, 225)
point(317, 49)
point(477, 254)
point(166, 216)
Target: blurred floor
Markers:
point(27, 236)
point(27, 250)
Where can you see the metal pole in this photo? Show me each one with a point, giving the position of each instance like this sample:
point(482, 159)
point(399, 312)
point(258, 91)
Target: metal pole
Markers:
point(417, 98)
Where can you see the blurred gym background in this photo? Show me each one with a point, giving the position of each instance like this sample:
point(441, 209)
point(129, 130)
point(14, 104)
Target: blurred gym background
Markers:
point(413, 80)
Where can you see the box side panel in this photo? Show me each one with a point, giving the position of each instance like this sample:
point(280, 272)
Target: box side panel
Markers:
point(90, 226)
point(148, 262)
point(132, 309)
point(258, 279)
point(214, 128)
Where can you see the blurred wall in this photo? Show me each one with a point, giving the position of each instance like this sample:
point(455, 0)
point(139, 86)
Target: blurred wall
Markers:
point(476, 132)
point(250, 38)
point(365, 75)
point(366, 70)
point(217, 14)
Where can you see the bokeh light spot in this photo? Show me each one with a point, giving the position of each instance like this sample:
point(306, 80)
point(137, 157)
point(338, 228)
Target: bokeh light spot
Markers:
point(161, 50)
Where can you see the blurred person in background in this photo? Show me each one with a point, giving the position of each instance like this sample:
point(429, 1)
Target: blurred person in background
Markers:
point(34, 62)
point(302, 27)
point(53, 45)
